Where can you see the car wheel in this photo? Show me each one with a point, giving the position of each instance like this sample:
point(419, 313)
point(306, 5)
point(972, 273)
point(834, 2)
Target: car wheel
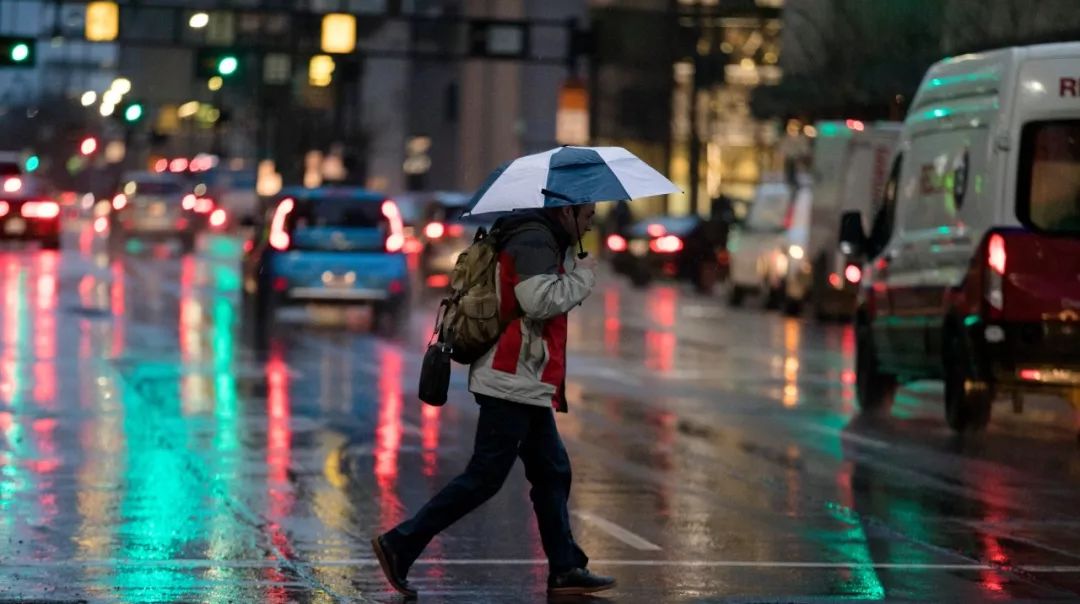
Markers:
point(968, 399)
point(736, 295)
point(874, 388)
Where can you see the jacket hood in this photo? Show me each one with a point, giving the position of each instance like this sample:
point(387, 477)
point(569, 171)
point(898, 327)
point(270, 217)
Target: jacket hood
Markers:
point(516, 219)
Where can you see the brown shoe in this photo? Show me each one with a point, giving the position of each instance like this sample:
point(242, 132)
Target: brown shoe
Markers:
point(391, 567)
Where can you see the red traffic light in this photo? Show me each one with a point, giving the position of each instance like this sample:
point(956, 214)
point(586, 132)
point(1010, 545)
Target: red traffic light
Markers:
point(88, 145)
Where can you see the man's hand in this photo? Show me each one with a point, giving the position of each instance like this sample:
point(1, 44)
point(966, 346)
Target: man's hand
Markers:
point(587, 262)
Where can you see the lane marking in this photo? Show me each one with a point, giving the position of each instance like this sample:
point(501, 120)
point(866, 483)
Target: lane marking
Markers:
point(371, 562)
point(628, 537)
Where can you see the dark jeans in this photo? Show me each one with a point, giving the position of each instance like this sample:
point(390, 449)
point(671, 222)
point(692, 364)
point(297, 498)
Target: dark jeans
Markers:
point(504, 432)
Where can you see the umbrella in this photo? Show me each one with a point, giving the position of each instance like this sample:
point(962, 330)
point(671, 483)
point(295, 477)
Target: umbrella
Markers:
point(568, 176)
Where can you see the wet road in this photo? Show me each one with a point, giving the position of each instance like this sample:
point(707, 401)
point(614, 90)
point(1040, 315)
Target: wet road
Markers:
point(147, 454)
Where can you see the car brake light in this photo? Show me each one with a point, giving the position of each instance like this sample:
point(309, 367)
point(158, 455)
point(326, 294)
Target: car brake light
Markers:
point(616, 243)
point(119, 202)
point(204, 205)
point(656, 230)
point(217, 218)
point(395, 239)
point(434, 230)
point(40, 209)
point(396, 287)
point(279, 239)
point(4, 208)
point(281, 284)
point(188, 203)
point(101, 224)
point(668, 244)
point(853, 274)
point(836, 281)
point(995, 256)
point(12, 184)
point(455, 230)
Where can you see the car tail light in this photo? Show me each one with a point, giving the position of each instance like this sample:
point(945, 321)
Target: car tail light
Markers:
point(668, 244)
point(41, 209)
point(281, 284)
point(434, 230)
point(616, 243)
point(455, 230)
point(395, 239)
point(995, 253)
point(217, 218)
point(836, 281)
point(119, 202)
point(101, 224)
point(656, 230)
point(279, 239)
point(204, 205)
point(4, 208)
point(853, 274)
point(996, 260)
point(396, 287)
point(789, 216)
point(438, 281)
point(12, 184)
point(188, 203)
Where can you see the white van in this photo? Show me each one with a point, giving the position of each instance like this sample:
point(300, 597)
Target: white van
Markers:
point(769, 245)
point(973, 271)
point(851, 165)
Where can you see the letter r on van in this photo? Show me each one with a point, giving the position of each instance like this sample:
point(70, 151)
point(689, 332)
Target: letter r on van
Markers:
point(1068, 87)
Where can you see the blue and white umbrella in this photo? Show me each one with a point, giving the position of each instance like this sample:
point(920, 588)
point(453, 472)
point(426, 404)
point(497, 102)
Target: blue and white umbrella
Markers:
point(569, 176)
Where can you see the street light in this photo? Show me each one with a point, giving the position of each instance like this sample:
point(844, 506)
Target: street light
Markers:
point(111, 97)
point(121, 85)
point(88, 98)
point(215, 83)
point(199, 20)
point(107, 109)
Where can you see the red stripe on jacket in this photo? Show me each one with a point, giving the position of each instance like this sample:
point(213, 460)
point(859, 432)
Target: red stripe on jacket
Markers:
point(508, 349)
point(555, 371)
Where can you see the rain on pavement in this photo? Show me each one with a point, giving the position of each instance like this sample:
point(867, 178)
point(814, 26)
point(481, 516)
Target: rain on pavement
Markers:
point(149, 454)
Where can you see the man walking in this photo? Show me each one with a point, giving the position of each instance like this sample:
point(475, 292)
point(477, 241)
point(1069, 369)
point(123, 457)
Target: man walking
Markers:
point(519, 384)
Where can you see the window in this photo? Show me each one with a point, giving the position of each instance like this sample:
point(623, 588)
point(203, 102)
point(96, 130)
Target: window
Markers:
point(1048, 192)
point(885, 217)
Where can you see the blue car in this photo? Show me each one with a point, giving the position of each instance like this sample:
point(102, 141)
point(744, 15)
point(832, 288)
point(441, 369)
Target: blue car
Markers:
point(332, 245)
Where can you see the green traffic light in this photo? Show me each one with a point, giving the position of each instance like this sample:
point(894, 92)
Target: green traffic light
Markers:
point(32, 163)
point(227, 65)
point(20, 52)
point(133, 112)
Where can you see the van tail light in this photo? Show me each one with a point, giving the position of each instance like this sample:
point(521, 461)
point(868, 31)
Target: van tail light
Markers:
point(40, 209)
point(279, 238)
point(204, 205)
point(996, 258)
point(434, 230)
point(188, 202)
point(217, 218)
point(616, 243)
point(119, 202)
point(668, 244)
point(4, 208)
point(395, 239)
point(455, 230)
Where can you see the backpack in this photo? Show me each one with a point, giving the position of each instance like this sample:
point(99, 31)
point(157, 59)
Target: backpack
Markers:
point(471, 317)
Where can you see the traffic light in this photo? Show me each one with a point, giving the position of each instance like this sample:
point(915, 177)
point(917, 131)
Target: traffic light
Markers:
point(133, 112)
point(18, 52)
point(214, 62)
point(32, 163)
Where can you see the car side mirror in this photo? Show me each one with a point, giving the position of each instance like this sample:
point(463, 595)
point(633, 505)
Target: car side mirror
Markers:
point(852, 237)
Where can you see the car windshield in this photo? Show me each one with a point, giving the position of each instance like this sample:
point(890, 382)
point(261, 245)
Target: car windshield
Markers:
point(769, 211)
point(342, 214)
point(156, 188)
point(1049, 189)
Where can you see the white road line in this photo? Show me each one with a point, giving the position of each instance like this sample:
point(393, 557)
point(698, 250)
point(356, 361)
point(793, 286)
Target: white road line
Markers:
point(632, 539)
point(371, 562)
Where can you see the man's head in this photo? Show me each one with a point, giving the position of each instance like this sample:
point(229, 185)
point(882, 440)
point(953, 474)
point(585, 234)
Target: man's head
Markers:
point(577, 220)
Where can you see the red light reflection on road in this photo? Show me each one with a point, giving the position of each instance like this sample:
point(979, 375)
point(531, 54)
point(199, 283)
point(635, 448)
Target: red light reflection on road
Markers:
point(663, 306)
point(611, 320)
point(659, 350)
point(278, 457)
point(429, 437)
point(119, 309)
point(45, 331)
point(388, 435)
